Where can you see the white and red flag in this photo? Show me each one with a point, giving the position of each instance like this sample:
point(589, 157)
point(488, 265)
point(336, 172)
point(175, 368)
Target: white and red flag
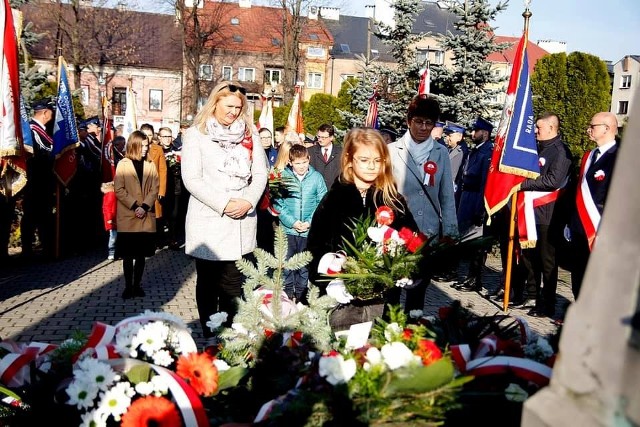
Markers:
point(425, 81)
point(372, 112)
point(294, 121)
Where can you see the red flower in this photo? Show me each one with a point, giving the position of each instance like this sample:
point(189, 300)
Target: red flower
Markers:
point(333, 353)
point(416, 243)
point(405, 234)
point(384, 215)
point(407, 334)
point(151, 411)
point(428, 352)
point(266, 300)
point(199, 371)
point(268, 333)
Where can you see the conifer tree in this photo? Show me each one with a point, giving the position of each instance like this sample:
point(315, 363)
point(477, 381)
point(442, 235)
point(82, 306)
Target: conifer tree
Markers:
point(464, 90)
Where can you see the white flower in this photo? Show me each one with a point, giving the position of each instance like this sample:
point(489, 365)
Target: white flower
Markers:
point(81, 393)
point(102, 375)
point(404, 282)
point(216, 320)
point(373, 356)
point(221, 365)
point(392, 331)
point(162, 358)
point(415, 314)
point(116, 400)
point(151, 337)
point(396, 355)
point(124, 335)
point(515, 393)
point(160, 385)
point(539, 350)
point(337, 291)
point(144, 389)
point(336, 370)
point(93, 418)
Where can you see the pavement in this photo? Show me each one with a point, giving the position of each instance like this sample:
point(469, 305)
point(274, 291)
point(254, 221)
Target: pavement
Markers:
point(48, 301)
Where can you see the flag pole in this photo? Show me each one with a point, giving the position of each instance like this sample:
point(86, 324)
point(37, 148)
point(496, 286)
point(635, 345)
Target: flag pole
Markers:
point(56, 253)
point(512, 221)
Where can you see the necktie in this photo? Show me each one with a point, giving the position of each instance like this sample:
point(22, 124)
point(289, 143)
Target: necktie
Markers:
point(596, 154)
point(326, 157)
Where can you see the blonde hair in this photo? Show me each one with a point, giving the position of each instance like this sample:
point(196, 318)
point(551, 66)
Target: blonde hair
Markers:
point(385, 183)
point(133, 149)
point(106, 187)
point(221, 90)
point(282, 160)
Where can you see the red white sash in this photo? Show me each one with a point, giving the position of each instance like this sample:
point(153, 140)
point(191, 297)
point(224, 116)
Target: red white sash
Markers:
point(587, 210)
point(527, 201)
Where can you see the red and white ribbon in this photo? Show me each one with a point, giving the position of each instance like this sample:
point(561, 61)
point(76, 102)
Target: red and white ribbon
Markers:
point(430, 169)
point(15, 366)
point(526, 203)
point(587, 210)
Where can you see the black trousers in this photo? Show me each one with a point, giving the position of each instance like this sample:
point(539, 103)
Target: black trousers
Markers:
point(218, 285)
point(542, 268)
point(580, 258)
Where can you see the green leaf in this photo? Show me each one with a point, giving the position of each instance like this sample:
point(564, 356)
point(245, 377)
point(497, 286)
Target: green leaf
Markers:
point(231, 377)
point(139, 374)
point(424, 379)
point(9, 393)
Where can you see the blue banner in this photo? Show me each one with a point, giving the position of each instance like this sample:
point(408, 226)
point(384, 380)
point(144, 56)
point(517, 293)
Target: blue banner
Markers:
point(65, 131)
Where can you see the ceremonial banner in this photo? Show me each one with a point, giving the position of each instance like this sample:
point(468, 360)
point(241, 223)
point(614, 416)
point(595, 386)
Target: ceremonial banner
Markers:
point(515, 154)
point(108, 164)
point(13, 167)
point(294, 121)
point(372, 112)
point(65, 132)
point(425, 81)
point(266, 116)
point(130, 121)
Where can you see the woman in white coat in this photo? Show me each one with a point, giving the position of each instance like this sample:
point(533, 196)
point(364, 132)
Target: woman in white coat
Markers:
point(225, 170)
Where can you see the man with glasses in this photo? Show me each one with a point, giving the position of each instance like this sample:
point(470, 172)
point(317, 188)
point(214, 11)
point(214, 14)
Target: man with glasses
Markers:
point(156, 155)
point(325, 156)
point(267, 143)
point(422, 170)
point(539, 260)
point(593, 183)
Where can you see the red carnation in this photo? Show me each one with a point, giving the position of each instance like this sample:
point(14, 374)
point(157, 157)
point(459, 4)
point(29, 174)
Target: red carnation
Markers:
point(405, 234)
point(428, 352)
point(384, 215)
point(416, 242)
point(407, 334)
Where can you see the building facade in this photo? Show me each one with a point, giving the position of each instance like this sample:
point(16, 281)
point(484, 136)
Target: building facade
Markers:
point(626, 76)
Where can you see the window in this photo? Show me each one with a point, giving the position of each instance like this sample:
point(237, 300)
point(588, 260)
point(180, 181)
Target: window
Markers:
point(315, 51)
point(155, 100)
point(314, 80)
point(235, 21)
point(227, 73)
point(422, 56)
point(625, 83)
point(623, 107)
point(237, 38)
point(345, 77)
point(85, 95)
point(314, 36)
point(119, 101)
point(275, 42)
point(206, 72)
point(439, 57)
point(271, 75)
point(344, 48)
point(247, 74)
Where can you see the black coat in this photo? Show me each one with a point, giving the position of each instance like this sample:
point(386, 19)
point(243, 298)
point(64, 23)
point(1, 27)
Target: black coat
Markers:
point(332, 220)
point(329, 170)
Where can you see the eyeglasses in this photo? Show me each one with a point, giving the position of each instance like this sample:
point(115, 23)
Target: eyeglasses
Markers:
point(364, 162)
point(596, 124)
point(420, 122)
point(234, 88)
point(266, 138)
point(323, 136)
point(165, 136)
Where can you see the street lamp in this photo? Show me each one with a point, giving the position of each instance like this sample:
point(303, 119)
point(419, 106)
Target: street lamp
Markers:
point(333, 59)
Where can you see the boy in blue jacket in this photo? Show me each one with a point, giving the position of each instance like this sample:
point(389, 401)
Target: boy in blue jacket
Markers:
point(306, 189)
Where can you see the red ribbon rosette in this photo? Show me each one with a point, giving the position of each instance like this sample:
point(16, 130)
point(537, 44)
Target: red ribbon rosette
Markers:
point(430, 168)
point(384, 215)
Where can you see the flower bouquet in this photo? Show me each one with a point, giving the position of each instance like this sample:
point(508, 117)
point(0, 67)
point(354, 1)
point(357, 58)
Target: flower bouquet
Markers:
point(173, 158)
point(278, 184)
point(378, 258)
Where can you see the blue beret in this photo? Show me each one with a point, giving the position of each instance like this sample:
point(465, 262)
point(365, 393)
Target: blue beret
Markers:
point(95, 120)
point(452, 127)
point(482, 124)
point(439, 124)
point(43, 104)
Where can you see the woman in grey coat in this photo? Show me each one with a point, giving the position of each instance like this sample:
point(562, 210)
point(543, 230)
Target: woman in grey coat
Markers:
point(225, 170)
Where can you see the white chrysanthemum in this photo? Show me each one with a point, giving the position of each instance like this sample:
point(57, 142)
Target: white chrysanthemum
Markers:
point(116, 400)
point(83, 366)
point(515, 393)
point(93, 418)
point(216, 320)
point(81, 393)
point(415, 314)
point(392, 331)
point(539, 350)
point(373, 356)
point(162, 358)
point(396, 355)
point(183, 342)
point(124, 335)
point(144, 389)
point(103, 376)
point(336, 370)
point(160, 385)
point(151, 338)
point(221, 365)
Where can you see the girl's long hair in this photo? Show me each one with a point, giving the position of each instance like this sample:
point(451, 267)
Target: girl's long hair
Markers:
point(219, 91)
point(385, 183)
point(133, 148)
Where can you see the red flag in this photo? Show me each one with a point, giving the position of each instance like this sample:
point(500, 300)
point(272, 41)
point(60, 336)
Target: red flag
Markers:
point(13, 166)
point(108, 164)
point(515, 154)
point(65, 132)
point(294, 121)
point(425, 81)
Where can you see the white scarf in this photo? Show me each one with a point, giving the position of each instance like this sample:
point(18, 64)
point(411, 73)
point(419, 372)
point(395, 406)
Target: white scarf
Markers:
point(237, 161)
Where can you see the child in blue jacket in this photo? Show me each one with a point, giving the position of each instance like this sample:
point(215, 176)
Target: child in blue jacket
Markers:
point(306, 189)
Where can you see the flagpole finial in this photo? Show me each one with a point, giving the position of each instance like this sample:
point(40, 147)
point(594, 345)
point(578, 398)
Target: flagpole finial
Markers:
point(526, 14)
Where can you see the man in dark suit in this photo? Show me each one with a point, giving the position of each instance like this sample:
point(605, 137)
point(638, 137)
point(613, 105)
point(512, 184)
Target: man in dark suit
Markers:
point(596, 171)
point(325, 156)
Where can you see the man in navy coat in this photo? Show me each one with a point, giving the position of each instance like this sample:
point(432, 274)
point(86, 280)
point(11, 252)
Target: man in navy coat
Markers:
point(593, 183)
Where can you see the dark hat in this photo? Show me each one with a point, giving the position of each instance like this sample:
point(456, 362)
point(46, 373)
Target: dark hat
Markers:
point(452, 127)
point(95, 120)
point(482, 124)
point(43, 104)
point(82, 125)
point(439, 124)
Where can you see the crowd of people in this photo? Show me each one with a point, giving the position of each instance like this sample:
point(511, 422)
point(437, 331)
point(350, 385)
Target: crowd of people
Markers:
point(209, 189)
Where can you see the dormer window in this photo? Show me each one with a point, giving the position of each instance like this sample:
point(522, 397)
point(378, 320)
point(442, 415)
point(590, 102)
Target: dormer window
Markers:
point(237, 38)
point(235, 21)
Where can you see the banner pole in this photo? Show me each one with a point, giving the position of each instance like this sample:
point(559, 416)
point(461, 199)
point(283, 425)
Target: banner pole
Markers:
point(57, 247)
point(512, 227)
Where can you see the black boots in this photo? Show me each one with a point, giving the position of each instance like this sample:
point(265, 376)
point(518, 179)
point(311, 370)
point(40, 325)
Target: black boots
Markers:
point(132, 274)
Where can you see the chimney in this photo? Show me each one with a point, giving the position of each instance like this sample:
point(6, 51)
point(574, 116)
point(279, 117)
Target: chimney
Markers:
point(245, 4)
point(625, 64)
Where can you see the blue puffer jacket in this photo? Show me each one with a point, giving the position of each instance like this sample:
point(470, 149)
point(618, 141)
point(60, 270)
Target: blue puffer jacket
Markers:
point(302, 201)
